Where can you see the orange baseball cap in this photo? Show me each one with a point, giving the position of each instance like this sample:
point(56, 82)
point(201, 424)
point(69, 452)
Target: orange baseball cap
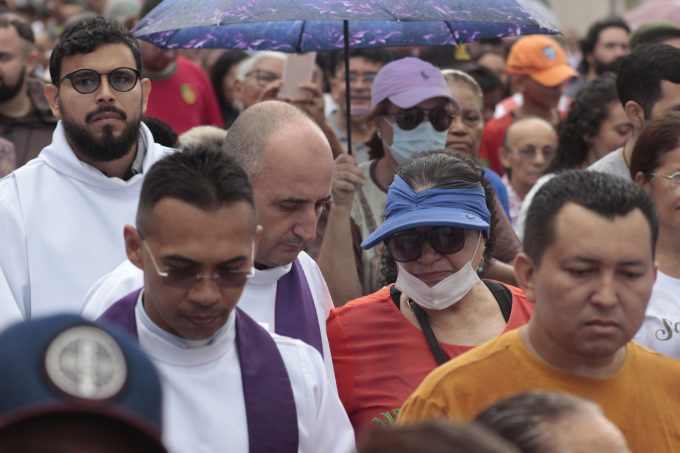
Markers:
point(541, 58)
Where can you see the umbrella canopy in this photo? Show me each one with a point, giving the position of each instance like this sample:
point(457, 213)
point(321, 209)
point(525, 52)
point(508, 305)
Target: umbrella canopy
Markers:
point(654, 10)
point(312, 25)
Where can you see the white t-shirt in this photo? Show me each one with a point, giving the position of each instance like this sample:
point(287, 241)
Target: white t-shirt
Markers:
point(613, 164)
point(660, 330)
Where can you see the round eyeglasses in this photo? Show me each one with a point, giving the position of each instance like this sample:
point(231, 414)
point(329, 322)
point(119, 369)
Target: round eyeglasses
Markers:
point(408, 245)
point(86, 81)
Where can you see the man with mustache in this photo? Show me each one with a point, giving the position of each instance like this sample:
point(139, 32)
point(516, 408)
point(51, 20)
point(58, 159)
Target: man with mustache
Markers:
point(62, 213)
point(605, 43)
point(25, 116)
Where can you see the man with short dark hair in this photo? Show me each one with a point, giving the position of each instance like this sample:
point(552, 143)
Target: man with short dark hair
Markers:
point(648, 85)
point(588, 264)
point(61, 214)
point(25, 116)
point(606, 41)
point(195, 240)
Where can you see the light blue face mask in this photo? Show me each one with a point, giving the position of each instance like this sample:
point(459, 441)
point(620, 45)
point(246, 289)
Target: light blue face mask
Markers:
point(407, 143)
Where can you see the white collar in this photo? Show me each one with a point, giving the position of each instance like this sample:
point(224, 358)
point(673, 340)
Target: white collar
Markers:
point(169, 348)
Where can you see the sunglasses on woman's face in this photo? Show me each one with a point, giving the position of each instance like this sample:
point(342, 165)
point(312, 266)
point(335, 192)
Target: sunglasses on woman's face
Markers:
point(408, 245)
point(409, 119)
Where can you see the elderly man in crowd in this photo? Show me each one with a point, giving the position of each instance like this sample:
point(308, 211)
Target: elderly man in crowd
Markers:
point(61, 214)
point(588, 264)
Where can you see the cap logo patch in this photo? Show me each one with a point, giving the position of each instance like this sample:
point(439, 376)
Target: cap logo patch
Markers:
point(424, 75)
point(550, 52)
point(86, 362)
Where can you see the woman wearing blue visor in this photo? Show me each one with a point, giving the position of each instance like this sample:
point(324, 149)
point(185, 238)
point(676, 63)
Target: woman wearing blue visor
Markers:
point(438, 228)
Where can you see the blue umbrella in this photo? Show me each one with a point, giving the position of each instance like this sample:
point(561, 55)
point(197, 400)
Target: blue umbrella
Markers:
point(312, 25)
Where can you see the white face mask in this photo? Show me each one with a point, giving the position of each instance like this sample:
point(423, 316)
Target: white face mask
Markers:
point(444, 294)
point(407, 143)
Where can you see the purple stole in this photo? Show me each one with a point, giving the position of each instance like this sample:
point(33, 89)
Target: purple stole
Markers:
point(268, 394)
point(295, 311)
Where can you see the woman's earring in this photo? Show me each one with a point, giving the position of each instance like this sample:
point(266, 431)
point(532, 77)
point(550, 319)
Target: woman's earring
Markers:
point(480, 268)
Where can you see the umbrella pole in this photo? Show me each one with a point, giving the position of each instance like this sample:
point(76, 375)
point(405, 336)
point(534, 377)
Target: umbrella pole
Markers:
point(348, 107)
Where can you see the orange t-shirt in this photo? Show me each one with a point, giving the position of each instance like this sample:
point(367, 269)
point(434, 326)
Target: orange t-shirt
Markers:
point(380, 357)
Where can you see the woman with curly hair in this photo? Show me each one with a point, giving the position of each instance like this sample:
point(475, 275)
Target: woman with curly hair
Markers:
point(595, 126)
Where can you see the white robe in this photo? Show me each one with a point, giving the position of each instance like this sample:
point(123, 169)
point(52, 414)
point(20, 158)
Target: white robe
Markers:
point(204, 408)
point(257, 299)
point(61, 228)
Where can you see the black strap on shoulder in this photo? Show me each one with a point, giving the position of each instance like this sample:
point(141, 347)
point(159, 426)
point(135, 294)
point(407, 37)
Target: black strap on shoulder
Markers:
point(502, 295)
point(439, 354)
point(500, 292)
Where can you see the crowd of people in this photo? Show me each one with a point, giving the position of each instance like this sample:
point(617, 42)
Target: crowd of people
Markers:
point(482, 259)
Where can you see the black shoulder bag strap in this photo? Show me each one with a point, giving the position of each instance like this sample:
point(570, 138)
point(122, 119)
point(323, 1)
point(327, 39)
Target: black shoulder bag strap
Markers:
point(502, 295)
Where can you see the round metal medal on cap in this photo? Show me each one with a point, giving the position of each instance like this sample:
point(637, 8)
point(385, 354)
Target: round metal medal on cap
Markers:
point(86, 362)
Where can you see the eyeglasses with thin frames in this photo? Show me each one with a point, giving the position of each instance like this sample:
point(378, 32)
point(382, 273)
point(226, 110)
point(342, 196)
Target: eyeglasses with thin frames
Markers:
point(86, 81)
point(263, 77)
point(673, 180)
point(188, 278)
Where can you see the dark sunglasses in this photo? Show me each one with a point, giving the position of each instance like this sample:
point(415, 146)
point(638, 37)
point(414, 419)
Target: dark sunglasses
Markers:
point(409, 119)
point(408, 245)
point(86, 81)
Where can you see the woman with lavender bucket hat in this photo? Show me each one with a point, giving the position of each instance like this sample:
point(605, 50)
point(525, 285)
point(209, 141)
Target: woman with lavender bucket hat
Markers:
point(412, 109)
point(439, 229)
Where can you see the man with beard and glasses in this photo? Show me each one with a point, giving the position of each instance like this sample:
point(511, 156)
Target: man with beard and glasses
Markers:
point(25, 116)
point(62, 213)
point(606, 42)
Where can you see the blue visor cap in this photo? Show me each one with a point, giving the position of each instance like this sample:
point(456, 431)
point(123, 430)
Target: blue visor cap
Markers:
point(406, 209)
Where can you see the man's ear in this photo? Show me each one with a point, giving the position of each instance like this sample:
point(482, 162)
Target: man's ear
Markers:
point(635, 114)
point(256, 243)
point(520, 82)
point(524, 273)
point(334, 90)
point(643, 181)
point(51, 93)
point(146, 90)
point(504, 156)
point(29, 61)
point(133, 245)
